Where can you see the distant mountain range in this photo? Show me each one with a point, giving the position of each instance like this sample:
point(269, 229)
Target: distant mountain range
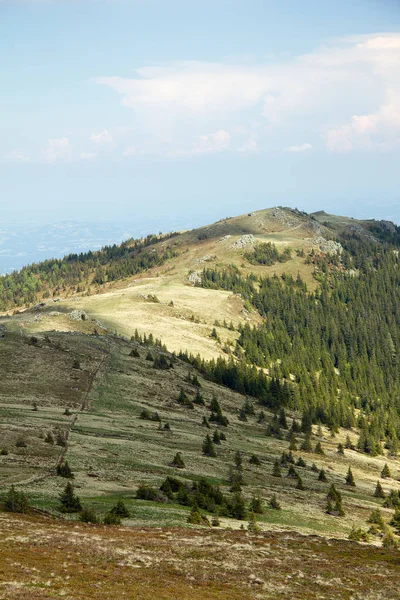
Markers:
point(25, 244)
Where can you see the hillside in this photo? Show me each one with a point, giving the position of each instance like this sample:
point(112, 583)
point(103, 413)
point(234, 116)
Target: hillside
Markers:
point(244, 376)
point(114, 437)
point(161, 297)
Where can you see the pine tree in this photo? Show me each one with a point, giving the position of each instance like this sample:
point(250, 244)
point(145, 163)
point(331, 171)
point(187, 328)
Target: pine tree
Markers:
point(276, 471)
point(340, 449)
point(208, 447)
point(385, 474)
point(318, 448)
point(293, 443)
point(292, 472)
point(299, 484)
point(349, 478)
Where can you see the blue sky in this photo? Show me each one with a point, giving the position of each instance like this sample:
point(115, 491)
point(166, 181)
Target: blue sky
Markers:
point(121, 110)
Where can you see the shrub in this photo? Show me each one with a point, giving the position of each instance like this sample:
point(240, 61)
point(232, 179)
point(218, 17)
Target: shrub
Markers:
point(358, 535)
point(3, 452)
point(149, 356)
point(49, 439)
point(252, 526)
point(256, 505)
point(389, 540)
point(177, 461)
point(120, 510)
point(318, 448)
point(216, 437)
point(147, 492)
point(160, 362)
point(88, 515)
point(15, 501)
point(135, 354)
point(254, 460)
point(20, 443)
point(273, 503)
point(183, 400)
point(301, 462)
point(376, 518)
point(322, 475)
point(64, 470)
point(196, 518)
point(111, 518)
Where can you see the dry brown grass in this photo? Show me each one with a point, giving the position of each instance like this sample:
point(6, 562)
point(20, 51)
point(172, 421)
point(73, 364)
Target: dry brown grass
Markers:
point(42, 559)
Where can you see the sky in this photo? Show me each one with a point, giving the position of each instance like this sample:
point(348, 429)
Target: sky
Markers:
point(131, 110)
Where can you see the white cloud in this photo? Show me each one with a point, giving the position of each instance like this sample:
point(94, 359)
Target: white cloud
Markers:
point(16, 156)
point(250, 146)
point(130, 151)
point(301, 148)
point(347, 91)
point(87, 155)
point(56, 149)
point(102, 138)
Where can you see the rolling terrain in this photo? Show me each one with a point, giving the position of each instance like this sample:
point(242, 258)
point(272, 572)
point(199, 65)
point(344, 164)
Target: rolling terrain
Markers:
point(104, 377)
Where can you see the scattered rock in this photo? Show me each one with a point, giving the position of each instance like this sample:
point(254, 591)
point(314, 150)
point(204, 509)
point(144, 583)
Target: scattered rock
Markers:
point(328, 246)
point(78, 315)
point(244, 240)
point(194, 277)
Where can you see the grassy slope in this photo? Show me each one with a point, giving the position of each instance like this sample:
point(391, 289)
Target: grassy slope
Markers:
point(122, 305)
point(112, 450)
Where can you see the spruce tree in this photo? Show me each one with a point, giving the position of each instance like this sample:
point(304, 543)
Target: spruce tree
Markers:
point(349, 478)
point(379, 493)
point(318, 448)
point(208, 447)
point(276, 471)
point(216, 437)
point(69, 502)
point(385, 474)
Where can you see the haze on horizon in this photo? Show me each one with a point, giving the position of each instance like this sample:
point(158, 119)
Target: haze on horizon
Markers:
point(132, 111)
